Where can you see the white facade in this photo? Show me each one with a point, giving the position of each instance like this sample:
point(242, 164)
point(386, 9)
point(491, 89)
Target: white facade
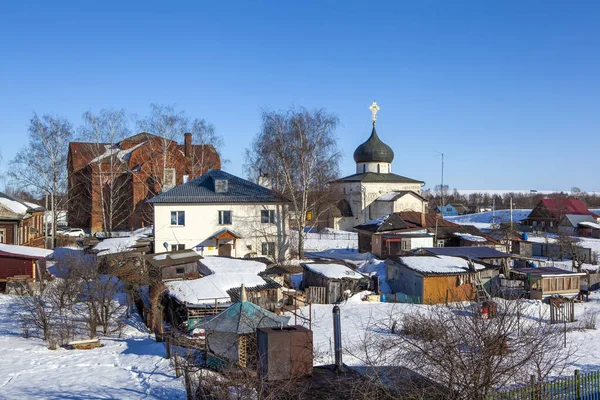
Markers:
point(259, 228)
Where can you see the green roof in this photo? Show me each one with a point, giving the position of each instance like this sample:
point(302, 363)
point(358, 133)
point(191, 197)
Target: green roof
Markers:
point(373, 150)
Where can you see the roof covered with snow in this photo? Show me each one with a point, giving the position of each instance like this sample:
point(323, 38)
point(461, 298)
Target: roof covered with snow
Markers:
point(333, 271)
point(474, 252)
point(438, 265)
point(117, 245)
point(17, 206)
point(470, 238)
point(224, 274)
point(592, 225)
point(26, 251)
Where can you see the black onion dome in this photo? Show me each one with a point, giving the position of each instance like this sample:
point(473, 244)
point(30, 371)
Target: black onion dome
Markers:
point(373, 150)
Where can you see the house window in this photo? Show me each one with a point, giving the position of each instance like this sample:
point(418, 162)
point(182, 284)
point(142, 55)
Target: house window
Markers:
point(2, 236)
point(440, 243)
point(177, 217)
point(225, 217)
point(175, 247)
point(268, 249)
point(267, 216)
point(169, 180)
point(309, 215)
point(221, 185)
point(406, 245)
point(179, 270)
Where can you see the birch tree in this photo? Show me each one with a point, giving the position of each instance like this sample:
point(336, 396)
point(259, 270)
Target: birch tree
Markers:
point(298, 150)
point(103, 132)
point(41, 166)
point(203, 133)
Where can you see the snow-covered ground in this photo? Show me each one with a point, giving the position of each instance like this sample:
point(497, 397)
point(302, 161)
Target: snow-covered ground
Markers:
point(484, 220)
point(327, 239)
point(362, 320)
point(130, 367)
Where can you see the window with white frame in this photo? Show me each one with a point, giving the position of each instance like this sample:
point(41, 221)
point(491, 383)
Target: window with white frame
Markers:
point(268, 249)
point(175, 247)
point(225, 217)
point(2, 236)
point(169, 178)
point(267, 216)
point(178, 218)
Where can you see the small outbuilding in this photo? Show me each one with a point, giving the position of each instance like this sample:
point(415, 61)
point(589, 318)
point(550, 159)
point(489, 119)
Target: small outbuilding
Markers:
point(434, 279)
point(544, 282)
point(22, 263)
point(231, 334)
point(331, 283)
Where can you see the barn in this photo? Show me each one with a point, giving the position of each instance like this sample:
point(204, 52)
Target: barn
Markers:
point(21, 262)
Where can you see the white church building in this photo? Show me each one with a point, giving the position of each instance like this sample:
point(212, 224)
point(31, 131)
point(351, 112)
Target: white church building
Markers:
point(373, 191)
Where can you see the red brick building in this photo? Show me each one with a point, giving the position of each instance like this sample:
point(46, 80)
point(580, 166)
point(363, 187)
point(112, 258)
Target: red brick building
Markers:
point(21, 222)
point(126, 175)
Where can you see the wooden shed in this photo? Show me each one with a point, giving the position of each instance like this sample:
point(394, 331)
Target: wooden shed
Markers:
point(434, 279)
point(544, 282)
point(331, 283)
point(21, 262)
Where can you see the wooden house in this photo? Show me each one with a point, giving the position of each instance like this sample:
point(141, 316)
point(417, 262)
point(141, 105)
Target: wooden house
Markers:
point(21, 263)
point(551, 214)
point(434, 279)
point(544, 282)
point(181, 264)
point(331, 283)
point(588, 229)
point(21, 222)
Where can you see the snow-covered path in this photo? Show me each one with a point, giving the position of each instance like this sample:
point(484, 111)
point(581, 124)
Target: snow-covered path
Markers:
point(131, 367)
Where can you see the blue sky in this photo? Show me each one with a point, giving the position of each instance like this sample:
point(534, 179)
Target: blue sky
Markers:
point(507, 90)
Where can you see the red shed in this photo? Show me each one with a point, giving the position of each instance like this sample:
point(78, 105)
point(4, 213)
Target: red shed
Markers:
point(21, 260)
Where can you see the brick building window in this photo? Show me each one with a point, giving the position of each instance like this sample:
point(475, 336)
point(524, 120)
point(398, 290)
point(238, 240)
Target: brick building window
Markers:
point(267, 216)
point(268, 249)
point(178, 218)
point(225, 217)
point(170, 178)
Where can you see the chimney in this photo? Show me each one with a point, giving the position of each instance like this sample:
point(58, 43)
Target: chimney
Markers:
point(423, 221)
point(187, 144)
point(243, 296)
point(337, 339)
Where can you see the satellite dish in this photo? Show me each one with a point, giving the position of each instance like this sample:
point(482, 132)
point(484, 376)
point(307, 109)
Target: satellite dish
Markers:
point(166, 246)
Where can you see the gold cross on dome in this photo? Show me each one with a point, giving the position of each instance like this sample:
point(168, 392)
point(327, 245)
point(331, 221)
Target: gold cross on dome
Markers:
point(374, 108)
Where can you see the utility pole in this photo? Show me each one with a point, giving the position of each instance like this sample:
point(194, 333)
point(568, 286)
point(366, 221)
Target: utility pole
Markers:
point(442, 204)
point(511, 214)
point(46, 224)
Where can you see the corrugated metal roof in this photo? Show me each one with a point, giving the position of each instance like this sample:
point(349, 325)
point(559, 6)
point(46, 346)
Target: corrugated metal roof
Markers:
point(202, 190)
point(473, 252)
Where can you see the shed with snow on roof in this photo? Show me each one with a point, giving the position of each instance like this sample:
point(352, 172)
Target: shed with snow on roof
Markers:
point(433, 279)
point(331, 283)
point(21, 263)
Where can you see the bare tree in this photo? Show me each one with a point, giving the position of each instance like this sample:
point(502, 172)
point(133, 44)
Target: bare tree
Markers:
point(203, 134)
point(108, 171)
point(167, 124)
point(571, 247)
point(297, 149)
point(472, 356)
point(42, 165)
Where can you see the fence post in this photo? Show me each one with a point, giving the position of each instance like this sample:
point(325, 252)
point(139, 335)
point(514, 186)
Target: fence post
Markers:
point(577, 383)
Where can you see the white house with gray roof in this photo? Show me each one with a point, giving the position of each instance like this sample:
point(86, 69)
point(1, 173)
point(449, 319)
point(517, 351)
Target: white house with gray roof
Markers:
point(221, 214)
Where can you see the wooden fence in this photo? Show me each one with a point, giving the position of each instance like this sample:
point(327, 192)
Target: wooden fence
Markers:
point(316, 294)
point(580, 386)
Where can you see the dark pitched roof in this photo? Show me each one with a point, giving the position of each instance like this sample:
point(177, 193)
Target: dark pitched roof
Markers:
point(414, 217)
point(202, 190)
point(473, 252)
point(375, 177)
point(391, 223)
point(373, 150)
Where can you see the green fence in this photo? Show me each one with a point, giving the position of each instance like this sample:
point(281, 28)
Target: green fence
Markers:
point(580, 386)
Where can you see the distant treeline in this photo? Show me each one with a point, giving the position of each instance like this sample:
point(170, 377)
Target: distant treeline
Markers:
point(502, 201)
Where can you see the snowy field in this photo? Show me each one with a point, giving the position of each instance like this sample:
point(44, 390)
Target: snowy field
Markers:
point(130, 367)
point(484, 220)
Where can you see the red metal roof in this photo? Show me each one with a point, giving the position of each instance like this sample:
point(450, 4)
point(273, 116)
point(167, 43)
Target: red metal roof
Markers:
point(567, 206)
